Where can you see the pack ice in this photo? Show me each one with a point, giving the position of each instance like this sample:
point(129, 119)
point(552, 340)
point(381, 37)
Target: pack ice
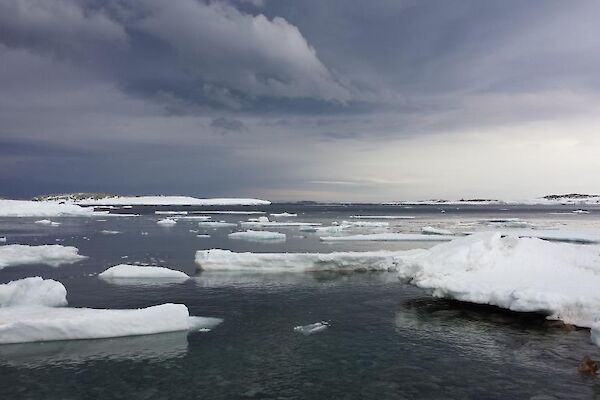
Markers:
point(53, 255)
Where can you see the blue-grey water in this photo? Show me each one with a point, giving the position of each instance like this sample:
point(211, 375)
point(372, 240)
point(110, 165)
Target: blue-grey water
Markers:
point(386, 340)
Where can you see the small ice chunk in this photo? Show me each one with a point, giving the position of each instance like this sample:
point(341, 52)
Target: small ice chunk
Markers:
point(383, 216)
point(125, 271)
point(388, 237)
point(312, 328)
point(170, 212)
point(109, 232)
point(202, 236)
point(34, 290)
point(430, 230)
point(166, 222)
point(283, 214)
point(47, 222)
point(2, 239)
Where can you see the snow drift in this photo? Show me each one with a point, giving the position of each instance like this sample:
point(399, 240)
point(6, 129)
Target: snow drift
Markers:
point(53, 255)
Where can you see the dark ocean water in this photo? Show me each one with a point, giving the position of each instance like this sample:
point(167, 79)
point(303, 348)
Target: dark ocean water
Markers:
point(386, 340)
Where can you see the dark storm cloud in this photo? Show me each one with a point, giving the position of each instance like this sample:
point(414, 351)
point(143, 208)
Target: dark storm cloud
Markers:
point(105, 76)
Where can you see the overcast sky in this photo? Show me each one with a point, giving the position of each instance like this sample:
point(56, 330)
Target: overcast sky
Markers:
point(346, 100)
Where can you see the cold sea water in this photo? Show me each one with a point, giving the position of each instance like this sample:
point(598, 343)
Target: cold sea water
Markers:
point(386, 340)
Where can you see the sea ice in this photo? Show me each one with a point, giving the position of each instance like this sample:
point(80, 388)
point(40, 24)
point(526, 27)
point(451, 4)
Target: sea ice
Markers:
point(170, 200)
point(595, 333)
point(258, 236)
point(33, 291)
point(389, 237)
point(166, 222)
point(25, 208)
point(312, 328)
point(283, 214)
point(108, 232)
point(216, 224)
point(47, 222)
point(53, 255)
point(127, 271)
point(430, 230)
point(383, 216)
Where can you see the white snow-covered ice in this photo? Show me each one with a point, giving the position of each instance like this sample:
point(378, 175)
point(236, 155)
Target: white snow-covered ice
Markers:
point(129, 271)
point(170, 200)
point(595, 333)
point(388, 237)
point(430, 230)
point(312, 328)
point(166, 222)
point(51, 254)
point(216, 224)
point(33, 291)
point(25, 208)
point(258, 236)
point(283, 214)
point(382, 216)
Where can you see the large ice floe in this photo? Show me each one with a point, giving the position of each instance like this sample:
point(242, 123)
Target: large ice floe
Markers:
point(30, 312)
point(258, 236)
point(52, 254)
point(129, 271)
point(25, 208)
point(388, 237)
point(33, 291)
point(170, 200)
point(263, 222)
point(223, 260)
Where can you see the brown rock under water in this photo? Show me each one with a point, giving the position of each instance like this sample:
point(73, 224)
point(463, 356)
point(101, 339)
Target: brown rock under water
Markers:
point(588, 366)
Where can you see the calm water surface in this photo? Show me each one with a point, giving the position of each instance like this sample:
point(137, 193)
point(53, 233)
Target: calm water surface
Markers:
point(386, 340)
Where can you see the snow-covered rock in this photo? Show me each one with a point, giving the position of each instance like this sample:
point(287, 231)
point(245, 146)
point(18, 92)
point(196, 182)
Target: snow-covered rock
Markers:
point(258, 236)
point(388, 237)
point(217, 259)
point(311, 328)
point(166, 222)
point(128, 271)
point(33, 291)
point(21, 324)
point(25, 208)
point(53, 255)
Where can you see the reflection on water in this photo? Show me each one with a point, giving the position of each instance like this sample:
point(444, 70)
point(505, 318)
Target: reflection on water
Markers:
point(67, 352)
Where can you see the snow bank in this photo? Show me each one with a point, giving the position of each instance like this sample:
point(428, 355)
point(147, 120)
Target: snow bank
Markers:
point(30, 291)
point(53, 255)
point(21, 324)
point(258, 236)
point(430, 230)
point(24, 208)
point(312, 328)
point(128, 271)
point(171, 200)
point(519, 274)
point(217, 259)
point(388, 237)
point(166, 222)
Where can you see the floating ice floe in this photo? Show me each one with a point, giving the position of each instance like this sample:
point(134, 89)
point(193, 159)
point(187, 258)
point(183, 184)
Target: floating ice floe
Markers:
point(47, 222)
point(595, 333)
point(430, 230)
point(109, 232)
point(24, 208)
point(166, 222)
point(367, 224)
point(263, 222)
point(283, 214)
point(216, 224)
point(580, 212)
point(258, 236)
point(382, 216)
point(202, 236)
point(22, 324)
point(226, 260)
point(2, 239)
point(170, 212)
point(230, 212)
point(53, 255)
point(507, 223)
point(389, 237)
point(312, 328)
point(170, 200)
point(128, 271)
point(33, 291)
point(193, 217)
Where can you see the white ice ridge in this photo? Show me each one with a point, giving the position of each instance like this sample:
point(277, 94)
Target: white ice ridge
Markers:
point(171, 200)
point(388, 237)
point(258, 235)
point(25, 208)
point(383, 216)
point(127, 271)
point(217, 259)
point(312, 328)
point(53, 255)
point(33, 291)
point(520, 274)
point(22, 324)
point(166, 222)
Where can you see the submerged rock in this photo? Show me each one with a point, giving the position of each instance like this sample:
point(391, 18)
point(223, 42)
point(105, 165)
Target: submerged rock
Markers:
point(588, 366)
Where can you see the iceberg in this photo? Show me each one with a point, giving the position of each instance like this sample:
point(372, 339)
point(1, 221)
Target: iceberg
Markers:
point(22, 324)
point(169, 201)
point(166, 222)
point(312, 328)
point(258, 236)
point(33, 291)
point(25, 208)
point(128, 271)
point(51, 254)
point(217, 259)
point(560, 280)
point(389, 237)
point(430, 230)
